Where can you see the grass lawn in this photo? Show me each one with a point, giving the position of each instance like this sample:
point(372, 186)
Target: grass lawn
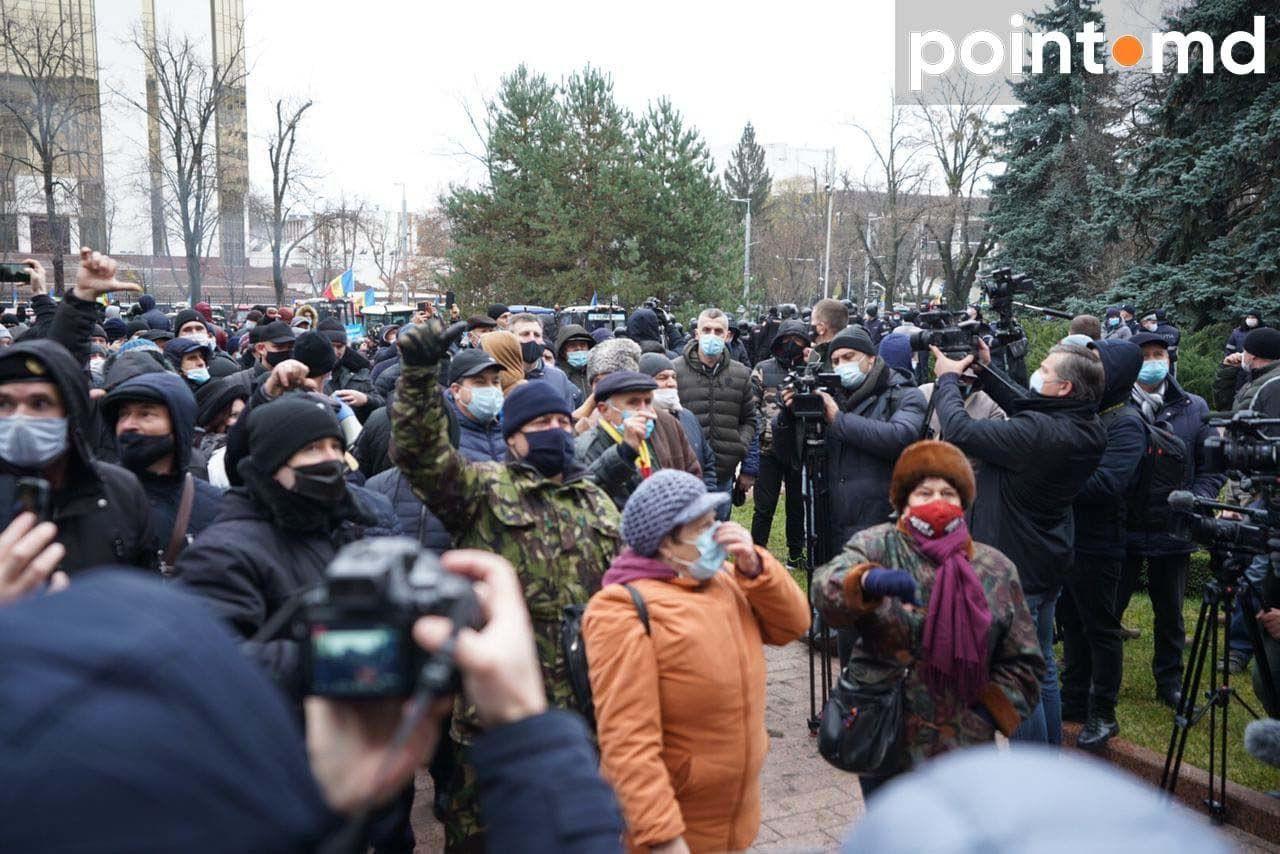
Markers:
point(1143, 719)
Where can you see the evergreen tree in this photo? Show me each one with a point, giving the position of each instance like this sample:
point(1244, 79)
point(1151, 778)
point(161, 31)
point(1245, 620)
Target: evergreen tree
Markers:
point(1057, 149)
point(747, 177)
point(1202, 198)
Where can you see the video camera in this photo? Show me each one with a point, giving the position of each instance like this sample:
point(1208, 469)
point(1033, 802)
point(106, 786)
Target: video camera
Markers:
point(807, 405)
point(1246, 450)
point(355, 630)
point(941, 330)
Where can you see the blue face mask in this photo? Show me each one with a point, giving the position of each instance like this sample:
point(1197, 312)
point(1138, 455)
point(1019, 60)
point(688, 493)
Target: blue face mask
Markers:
point(711, 555)
point(199, 376)
point(627, 413)
point(851, 374)
point(577, 359)
point(710, 345)
point(486, 403)
point(32, 443)
point(1113, 321)
point(1153, 372)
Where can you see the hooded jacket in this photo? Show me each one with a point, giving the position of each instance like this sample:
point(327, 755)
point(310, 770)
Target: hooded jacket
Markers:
point(577, 376)
point(152, 316)
point(1100, 505)
point(643, 326)
point(164, 492)
point(100, 509)
point(724, 400)
point(1033, 466)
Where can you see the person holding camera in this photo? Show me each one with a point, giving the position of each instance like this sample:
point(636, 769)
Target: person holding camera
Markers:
point(1033, 466)
point(923, 595)
point(540, 510)
point(680, 702)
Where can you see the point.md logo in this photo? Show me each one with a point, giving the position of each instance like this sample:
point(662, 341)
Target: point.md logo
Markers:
point(933, 52)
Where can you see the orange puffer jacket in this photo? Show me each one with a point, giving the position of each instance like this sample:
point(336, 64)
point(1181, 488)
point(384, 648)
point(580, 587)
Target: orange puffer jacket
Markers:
point(681, 712)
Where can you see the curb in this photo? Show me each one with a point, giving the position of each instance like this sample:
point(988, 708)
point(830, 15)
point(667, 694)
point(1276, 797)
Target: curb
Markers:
point(1255, 813)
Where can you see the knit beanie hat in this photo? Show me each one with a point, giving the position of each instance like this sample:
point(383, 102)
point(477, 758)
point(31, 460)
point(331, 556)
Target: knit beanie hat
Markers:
point(281, 428)
point(655, 363)
point(314, 350)
point(667, 499)
point(1263, 342)
point(615, 354)
point(931, 458)
point(115, 328)
point(529, 401)
point(852, 338)
point(187, 315)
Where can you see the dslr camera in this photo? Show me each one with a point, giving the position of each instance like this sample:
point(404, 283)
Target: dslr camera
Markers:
point(355, 630)
point(1247, 449)
point(807, 404)
point(940, 329)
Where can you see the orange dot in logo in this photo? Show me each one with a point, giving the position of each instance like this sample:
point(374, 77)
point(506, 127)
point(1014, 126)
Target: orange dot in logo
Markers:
point(1127, 50)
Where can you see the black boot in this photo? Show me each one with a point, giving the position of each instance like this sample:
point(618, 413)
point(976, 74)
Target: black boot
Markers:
point(1096, 733)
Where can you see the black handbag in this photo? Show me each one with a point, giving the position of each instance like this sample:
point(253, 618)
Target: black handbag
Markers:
point(863, 726)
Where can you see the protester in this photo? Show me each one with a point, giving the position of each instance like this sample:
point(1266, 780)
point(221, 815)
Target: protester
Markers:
point(644, 328)
point(271, 344)
point(1250, 321)
point(829, 319)
point(478, 326)
point(219, 405)
point(528, 331)
point(153, 416)
point(1151, 545)
point(504, 348)
point(1087, 325)
point(153, 317)
point(1248, 379)
point(719, 392)
point(776, 462)
point(573, 345)
point(1092, 642)
point(924, 591)
point(501, 315)
point(873, 324)
point(1033, 466)
point(680, 702)
point(351, 380)
point(539, 510)
point(191, 359)
point(475, 396)
point(1115, 328)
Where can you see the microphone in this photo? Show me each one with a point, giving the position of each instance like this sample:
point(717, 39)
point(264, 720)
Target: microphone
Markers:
point(1181, 499)
point(1262, 740)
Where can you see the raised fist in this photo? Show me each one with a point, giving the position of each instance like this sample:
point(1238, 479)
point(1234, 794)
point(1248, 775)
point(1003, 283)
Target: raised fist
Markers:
point(425, 344)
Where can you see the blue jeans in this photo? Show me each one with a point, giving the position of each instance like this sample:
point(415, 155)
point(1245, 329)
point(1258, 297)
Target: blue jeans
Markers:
point(1045, 724)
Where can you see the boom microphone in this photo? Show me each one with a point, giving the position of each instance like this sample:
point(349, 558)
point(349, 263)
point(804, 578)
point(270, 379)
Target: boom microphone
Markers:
point(1262, 740)
point(1181, 499)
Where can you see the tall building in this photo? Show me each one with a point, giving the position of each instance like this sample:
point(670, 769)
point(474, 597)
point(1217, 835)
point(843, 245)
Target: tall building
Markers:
point(50, 127)
point(232, 129)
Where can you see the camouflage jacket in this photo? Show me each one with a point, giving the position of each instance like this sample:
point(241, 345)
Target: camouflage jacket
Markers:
point(768, 378)
point(889, 639)
point(560, 537)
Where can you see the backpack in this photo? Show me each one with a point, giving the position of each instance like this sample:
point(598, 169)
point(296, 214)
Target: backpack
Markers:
point(1164, 467)
point(575, 652)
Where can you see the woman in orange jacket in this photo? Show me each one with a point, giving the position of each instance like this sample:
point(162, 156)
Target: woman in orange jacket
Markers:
point(680, 708)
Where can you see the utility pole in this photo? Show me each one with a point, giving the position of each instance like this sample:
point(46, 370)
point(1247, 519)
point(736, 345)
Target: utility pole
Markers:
point(826, 260)
point(402, 244)
point(746, 249)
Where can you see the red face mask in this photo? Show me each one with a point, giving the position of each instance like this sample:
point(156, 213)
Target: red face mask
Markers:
point(935, 519)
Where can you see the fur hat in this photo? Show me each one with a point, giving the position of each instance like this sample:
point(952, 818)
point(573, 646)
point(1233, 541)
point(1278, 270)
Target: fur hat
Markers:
point(615, 354)
point(927, 459)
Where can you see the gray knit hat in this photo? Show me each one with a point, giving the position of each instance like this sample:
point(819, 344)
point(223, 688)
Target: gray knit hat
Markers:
point(614, 354)
point(655, 363)
point(668, 499)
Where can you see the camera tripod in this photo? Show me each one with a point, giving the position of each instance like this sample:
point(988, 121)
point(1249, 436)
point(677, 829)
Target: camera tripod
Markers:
point(1216, 606)
point(817, 541)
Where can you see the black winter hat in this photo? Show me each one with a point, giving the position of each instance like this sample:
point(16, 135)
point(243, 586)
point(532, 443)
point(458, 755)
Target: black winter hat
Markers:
point(98, 332)
point(333, 329)
point(214, 398)
point(187, 315)
point(497, 310)
point(1263, 343)
point(314, 350)
point(529, 401)
point(281, 428)
point(852, 338)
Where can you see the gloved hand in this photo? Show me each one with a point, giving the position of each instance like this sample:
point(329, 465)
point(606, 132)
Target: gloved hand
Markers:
point(897, 583)
point(425, 344)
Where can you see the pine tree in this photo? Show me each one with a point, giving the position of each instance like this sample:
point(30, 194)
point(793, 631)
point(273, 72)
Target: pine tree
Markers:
point(1057, 149)
point(1202, 198)
point(747, 177)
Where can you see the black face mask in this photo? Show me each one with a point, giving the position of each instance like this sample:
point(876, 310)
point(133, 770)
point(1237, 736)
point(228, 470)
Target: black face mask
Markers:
point(274, 359)
point(325, 483)
point(550, 451)
point(137, 451)
point(531, 352)
point(789, 352)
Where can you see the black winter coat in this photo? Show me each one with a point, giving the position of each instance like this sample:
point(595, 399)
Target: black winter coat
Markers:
point(248, 568)
point(1033, 466)
point(723, 399)
point(415, 519)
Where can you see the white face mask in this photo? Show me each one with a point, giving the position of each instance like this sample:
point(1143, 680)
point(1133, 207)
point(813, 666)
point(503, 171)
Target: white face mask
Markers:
point(666, 398)
point(201, 337)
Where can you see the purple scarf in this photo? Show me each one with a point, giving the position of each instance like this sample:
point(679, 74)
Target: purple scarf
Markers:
point(959, 618)
point(631, 566)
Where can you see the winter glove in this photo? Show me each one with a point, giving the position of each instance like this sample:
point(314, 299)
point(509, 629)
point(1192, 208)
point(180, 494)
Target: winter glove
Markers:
point(897, 583)
point(424, 344)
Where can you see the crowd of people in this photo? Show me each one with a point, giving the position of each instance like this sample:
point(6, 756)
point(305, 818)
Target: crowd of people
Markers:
point(210, 476)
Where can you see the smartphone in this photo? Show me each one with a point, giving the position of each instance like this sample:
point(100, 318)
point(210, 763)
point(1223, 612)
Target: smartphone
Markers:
point(23, 495)
point(15, 273)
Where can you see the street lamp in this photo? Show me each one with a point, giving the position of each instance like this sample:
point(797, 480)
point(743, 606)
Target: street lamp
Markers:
point(866, 266)
point(826, 260)
point(746, 248)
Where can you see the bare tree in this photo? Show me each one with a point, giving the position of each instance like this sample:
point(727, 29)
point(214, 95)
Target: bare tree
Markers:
point(382, 239)
point(50, 93)
point(892, 195)
point(959, 136)
point(189, 87)
point(285, 184)
point(333, 245)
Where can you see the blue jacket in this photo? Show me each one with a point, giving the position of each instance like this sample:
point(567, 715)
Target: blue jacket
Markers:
point(896, 351)
point(702, 448)
point(479, 443)
point(863, 444)
point(164, 492)
point(415, 519)
point(1183, 414)
point(1099, 507)
point(560, 380)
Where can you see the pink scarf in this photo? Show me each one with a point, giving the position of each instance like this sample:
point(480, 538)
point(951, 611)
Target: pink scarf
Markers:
point(959, 618)
point(631, 566)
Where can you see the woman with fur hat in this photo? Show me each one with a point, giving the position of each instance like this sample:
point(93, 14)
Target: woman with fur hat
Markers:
point(927, 601)
point(680, 701)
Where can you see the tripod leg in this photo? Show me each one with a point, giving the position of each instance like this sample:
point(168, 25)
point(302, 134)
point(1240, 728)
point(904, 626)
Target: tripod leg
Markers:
point(1190, 687)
